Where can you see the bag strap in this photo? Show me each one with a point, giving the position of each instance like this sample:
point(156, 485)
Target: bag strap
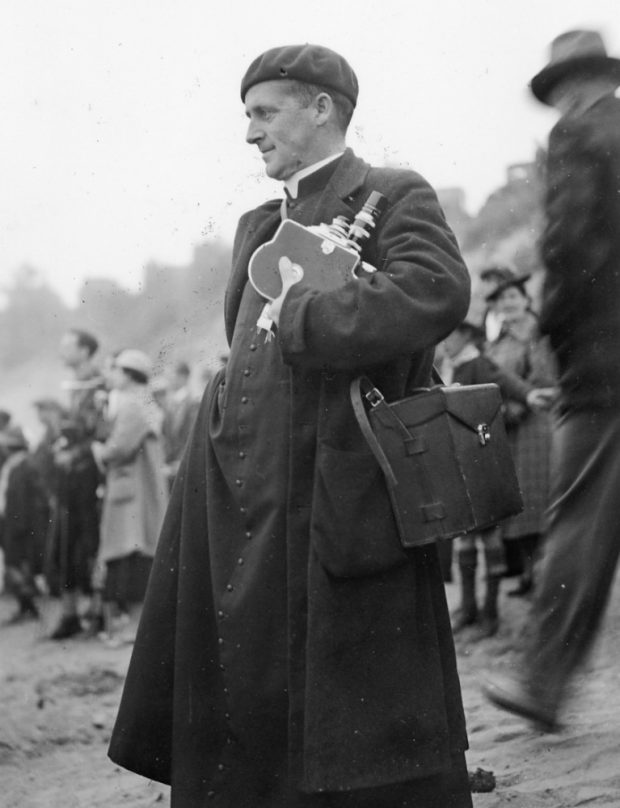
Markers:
point(362, 420)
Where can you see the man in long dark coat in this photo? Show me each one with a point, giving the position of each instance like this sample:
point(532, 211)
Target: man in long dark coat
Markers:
point(290, 652)
point(581, 249)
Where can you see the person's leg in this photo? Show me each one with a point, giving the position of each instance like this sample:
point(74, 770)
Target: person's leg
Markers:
point(467, 559)
point(578, 567)
point(495, 563)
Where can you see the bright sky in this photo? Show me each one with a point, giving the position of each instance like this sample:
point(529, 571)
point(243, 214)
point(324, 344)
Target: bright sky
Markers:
point(122, 139)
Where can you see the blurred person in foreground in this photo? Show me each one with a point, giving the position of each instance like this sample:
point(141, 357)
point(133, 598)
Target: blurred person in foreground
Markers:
point(520, 350)
point(464, 363)
point(76, 534)
point(135, 491)
point(24, 515)
point(581, 250)
point(180, 413)
point(290, 652)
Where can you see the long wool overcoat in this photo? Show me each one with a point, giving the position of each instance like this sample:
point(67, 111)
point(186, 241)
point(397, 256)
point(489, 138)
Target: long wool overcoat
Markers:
point(372, 690)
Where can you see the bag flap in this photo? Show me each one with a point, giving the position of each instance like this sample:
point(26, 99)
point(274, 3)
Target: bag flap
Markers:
point(473, 404)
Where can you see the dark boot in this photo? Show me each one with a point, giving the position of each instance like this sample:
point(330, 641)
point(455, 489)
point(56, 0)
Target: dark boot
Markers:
point(69, 626)
point(467, 614)
point(489, 623)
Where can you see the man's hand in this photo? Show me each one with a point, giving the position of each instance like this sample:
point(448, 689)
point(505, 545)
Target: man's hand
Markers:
point(541, 398)
point(291, 274)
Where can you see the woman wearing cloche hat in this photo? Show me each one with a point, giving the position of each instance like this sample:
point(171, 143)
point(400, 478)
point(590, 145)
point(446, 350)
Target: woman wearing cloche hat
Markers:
point(136, 490)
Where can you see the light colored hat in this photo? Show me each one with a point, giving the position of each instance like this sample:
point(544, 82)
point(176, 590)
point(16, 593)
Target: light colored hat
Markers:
point(573, 53)
point(132, 359)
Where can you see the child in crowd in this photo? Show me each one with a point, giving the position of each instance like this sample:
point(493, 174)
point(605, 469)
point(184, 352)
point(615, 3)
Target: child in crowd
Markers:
point(24, 520)
point(464, 363)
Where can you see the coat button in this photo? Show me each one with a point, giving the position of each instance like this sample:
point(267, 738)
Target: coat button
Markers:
point(244, 399)
point(247, 372)
point(220, 767)
point(253, 346)
point(240, 561)
point(229, 587)
point(220, 613)
point(248, 534)
point(239, 483)
point(241, 455)
point(220, 640)
point(210, 794)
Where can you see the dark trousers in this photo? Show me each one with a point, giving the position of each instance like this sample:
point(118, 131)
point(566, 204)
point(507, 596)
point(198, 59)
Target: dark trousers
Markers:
point(581, 550)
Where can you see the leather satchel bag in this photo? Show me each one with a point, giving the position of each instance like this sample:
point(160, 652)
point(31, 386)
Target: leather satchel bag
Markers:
point(445, 458)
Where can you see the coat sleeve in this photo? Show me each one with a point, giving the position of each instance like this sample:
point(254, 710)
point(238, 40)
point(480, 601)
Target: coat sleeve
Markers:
point(575, 242)
point(127, 435)
point(420, 293)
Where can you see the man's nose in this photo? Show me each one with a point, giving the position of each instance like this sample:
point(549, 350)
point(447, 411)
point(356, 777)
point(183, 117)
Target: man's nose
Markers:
point(254, 133)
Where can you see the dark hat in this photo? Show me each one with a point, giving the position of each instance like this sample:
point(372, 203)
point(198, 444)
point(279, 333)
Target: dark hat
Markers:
point(572, 53)
point(477, 331)
point(312, 64)
point(516, 280)
point(499, 272)
point(13, 438)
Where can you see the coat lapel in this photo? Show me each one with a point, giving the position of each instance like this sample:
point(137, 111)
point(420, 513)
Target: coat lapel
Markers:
point(253, 231)
point(260, 225)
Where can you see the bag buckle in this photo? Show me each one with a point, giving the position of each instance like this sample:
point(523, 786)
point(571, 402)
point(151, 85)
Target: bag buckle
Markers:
point(484, 434)
point(374, 397)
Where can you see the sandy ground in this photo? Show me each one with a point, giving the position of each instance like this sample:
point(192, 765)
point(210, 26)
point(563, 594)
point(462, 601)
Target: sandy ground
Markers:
point(58, 701)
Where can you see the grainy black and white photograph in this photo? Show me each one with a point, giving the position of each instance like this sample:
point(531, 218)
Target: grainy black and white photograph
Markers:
point(309, 404)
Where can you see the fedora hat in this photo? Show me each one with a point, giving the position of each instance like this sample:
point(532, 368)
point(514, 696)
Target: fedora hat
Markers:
point(572, 53)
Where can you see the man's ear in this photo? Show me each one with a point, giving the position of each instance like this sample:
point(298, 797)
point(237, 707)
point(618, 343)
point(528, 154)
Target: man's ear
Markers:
point(324, 107)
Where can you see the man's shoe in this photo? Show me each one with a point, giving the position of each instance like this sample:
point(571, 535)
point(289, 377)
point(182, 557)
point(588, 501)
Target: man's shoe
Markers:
point(69, 626)
point(511, 695)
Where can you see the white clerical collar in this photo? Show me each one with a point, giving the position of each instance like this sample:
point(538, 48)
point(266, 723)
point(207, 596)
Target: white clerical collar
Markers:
point(292, 183)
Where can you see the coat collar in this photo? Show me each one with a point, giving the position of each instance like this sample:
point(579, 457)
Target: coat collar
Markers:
point(260, 224)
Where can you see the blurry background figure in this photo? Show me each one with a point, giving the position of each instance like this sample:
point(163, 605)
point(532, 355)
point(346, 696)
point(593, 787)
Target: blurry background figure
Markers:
point(5, 419)
point(159, 388)
point(180, 414)
point(464, 363)
point(135, 493)
point(520, 350)
point(76, 537)
point(489, 279)
point(52, 415)
point(23, 522)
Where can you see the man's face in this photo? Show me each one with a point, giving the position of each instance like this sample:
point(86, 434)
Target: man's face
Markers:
point(283, 130)
point(72, 353)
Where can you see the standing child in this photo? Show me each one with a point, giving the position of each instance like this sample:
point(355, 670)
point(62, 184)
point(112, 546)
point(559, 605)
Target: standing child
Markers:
point(464, 363)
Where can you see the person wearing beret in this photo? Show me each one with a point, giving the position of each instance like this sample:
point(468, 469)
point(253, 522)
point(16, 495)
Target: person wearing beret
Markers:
point(136, 489)
point(290, 652)
point(581, 250)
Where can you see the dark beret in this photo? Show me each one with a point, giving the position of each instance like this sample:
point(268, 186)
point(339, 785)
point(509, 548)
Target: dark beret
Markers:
point(312, 64)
